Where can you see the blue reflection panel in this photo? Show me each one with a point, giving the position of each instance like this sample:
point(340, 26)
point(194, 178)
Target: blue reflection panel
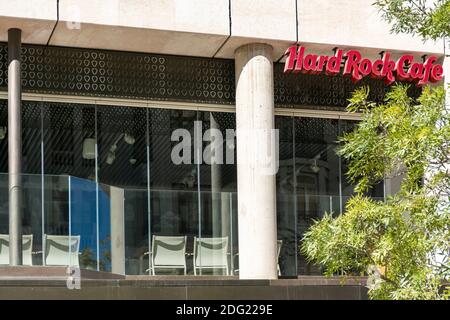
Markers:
point(83, 222)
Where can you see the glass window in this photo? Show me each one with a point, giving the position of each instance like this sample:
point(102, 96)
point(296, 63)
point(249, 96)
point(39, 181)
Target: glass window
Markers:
point(70, 204)
point(174, 186)
point(4, 220)
point(317, 175)
point(218, 181)
point(122, 190)
point(31, 176)
point(308, 184)
point(286, 211)
point(123, 184)
point(347, 186)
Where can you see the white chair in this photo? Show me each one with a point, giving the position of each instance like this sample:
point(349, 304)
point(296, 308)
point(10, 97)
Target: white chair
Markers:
point(59, 252)
point(279, 245)
point(211, 253)
point(27, 247)
point(168, 252)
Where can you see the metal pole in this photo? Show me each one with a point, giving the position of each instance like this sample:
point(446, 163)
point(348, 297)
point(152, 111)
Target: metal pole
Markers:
point(14, 147)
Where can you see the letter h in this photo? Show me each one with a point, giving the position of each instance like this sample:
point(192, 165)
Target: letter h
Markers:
point(294, 59)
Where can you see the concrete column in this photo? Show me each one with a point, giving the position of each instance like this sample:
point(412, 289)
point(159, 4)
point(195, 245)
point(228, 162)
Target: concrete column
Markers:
point(14, 147)
point(256, 186)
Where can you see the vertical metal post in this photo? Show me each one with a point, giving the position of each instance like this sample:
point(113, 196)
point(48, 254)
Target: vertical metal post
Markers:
point(97, 202)
point(216, 183)
point(295, 196)
point(14, 147)
point(198, 146)
point(149, 207)
point(231, 233)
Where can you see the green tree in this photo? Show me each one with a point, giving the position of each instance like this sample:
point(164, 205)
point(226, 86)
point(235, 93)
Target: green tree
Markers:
point(394, 241)
point(427, 18)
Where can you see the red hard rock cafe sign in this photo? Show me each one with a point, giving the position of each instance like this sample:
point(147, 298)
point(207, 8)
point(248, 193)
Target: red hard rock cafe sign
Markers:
point(358, 67)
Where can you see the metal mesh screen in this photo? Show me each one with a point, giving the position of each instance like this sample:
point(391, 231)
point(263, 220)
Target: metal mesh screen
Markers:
point(322, 91)
point(113, 74)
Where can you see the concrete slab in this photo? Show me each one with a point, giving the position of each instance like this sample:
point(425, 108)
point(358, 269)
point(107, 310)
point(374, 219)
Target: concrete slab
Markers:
point(20, 273)
point(182, 288)
point(137, 39)
point(170, 27)
point(265, 20)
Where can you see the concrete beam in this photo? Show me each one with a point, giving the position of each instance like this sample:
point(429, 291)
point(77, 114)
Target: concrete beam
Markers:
point(269, 21)
point(201, 27)
point(194, 28)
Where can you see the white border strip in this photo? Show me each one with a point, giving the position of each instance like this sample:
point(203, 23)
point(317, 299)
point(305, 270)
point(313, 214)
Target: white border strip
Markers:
point(309, 112)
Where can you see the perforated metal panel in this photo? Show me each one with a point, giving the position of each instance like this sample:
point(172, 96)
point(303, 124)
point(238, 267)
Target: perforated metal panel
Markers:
point(322, 91)
point(112, 74)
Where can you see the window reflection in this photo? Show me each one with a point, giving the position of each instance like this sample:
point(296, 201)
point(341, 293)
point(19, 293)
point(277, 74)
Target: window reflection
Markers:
point(190, 199)
point(308, 184)
point(122, 189)
point(70, 202)
point(217, 181)
point(4, 220)
point(112, 192)
point(286, 185)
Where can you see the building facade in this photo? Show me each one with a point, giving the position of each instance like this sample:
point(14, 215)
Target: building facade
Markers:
point(123, 103)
